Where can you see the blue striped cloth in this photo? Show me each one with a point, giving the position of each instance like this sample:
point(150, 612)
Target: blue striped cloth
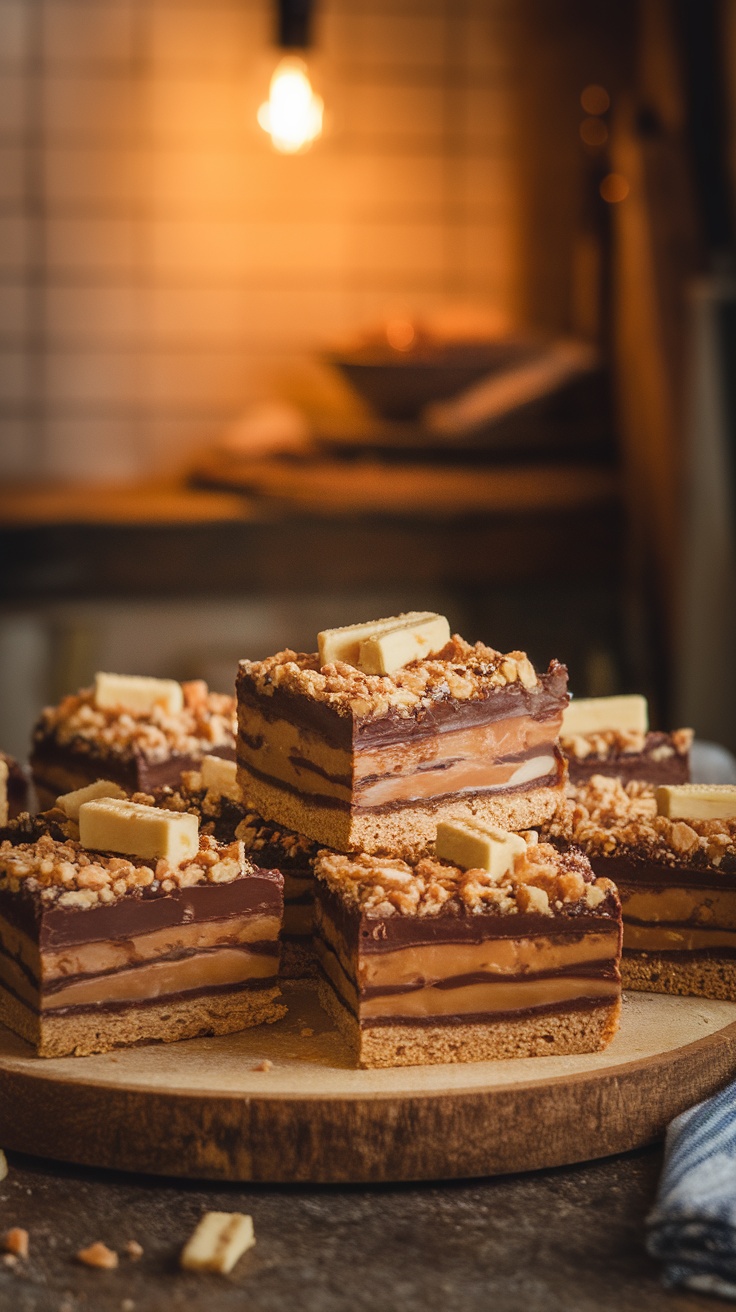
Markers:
point(692, 1227)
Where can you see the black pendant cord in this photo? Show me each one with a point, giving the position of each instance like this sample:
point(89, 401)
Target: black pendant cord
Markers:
point(294, 24)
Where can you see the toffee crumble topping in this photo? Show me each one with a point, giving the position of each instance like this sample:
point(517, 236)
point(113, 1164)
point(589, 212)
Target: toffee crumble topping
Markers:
point(462, 671)
point(543, 881)
point(622, 742)
point(212, 807)
point(207, 720)
point(64, 874)
point(607, 818)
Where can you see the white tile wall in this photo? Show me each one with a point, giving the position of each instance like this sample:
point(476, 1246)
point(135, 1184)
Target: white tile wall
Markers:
point(175, 266)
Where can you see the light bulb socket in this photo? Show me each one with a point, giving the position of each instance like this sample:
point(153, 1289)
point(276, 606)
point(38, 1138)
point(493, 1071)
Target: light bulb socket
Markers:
point(294, 24)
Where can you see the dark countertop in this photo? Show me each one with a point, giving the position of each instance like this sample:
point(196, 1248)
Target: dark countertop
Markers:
point(554, 1241)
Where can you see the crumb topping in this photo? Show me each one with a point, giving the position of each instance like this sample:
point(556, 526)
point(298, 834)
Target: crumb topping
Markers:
point(460, 671)
point(622, 742)
point(607, 818)
point(258, 834)
point(65, 874)
point(207, 720)
point(543, 880)
point(217, 814)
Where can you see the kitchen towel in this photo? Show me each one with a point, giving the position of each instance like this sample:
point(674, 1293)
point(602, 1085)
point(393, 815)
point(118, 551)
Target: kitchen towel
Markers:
point(692, 1226)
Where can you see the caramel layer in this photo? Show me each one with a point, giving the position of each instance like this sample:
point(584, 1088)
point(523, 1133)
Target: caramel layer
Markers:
point(157, 979)
point(465, 776)
point(474, 999)
point(430, 963)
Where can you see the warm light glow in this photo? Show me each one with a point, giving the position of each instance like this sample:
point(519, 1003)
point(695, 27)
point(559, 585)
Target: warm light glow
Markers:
point(614, 188)
point(292, 115)
point(400, 334)
point(594, 132)
point(595, 99)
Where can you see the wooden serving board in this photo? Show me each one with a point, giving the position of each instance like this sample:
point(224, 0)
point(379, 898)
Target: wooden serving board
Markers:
point(203, 1109)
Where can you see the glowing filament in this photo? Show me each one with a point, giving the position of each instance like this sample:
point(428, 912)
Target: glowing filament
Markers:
point(292, 115)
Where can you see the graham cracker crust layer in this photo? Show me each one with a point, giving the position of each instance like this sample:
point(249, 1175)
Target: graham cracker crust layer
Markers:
point(407, 831)
point(548, 1035)
point(700, 977)
point(82, 1034)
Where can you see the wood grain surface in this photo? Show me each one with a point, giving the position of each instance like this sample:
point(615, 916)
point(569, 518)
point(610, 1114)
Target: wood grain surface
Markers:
point(208, 1109)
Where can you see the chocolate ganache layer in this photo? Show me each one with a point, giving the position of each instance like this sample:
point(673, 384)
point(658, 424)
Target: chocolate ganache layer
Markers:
point(143, 911)
point(58, 769)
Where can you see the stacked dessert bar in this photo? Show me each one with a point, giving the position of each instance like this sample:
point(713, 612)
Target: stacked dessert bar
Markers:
point(672, 853)
point(139, 928)
point(496, 946)
point(611, 736)
point(368, 743)
point(142, 733)
point(369, 746)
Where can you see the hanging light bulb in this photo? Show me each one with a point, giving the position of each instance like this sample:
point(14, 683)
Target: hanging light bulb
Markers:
point(292, 115)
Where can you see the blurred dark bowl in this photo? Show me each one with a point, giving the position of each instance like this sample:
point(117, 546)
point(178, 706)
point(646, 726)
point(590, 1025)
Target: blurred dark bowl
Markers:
point(399, 384)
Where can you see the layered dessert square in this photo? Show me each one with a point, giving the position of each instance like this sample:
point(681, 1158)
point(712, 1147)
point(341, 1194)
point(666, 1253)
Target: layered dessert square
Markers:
point(100, 948)
point(142, 733)
point(611, 735)
point(424, 962)
point(372, 761)
point(676, 875)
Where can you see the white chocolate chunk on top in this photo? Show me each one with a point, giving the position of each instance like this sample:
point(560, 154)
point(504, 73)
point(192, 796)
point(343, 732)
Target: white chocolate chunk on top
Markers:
point(3, 792)
point(109, 825)
point(697, 801)
point(471, 845)
point(136, 693)
point(218, 1242)
point(345, 644)
point(389, 651)
point(628, 714)
point(218, 775)
point(71, 802)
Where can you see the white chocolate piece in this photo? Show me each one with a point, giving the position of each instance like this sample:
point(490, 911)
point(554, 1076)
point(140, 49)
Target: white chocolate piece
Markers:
point(345, 644)
point(697, 801)
point(472, 845)
point(628, 714)
point(3, 792)
point(136, 693)
point(109, 825)
point(219, 776)
point(71, 802)
point(218, 1242)
point(389, 651)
